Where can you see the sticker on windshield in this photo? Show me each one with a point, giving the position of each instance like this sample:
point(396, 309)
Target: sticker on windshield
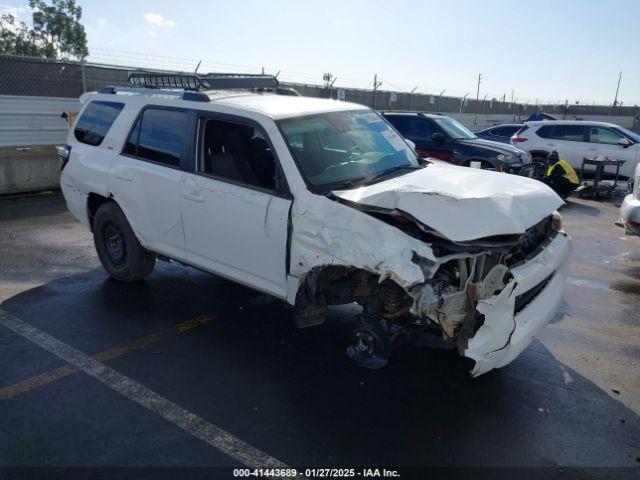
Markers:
point(371, 117)
point(394, 139)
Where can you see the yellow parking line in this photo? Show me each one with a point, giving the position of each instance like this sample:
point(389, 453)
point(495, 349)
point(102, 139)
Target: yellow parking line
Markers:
point(56, 374)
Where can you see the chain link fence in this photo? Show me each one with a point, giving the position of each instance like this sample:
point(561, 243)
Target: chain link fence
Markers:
point(37, 77)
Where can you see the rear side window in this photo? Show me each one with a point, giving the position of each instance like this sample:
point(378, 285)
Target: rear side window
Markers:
point(95, 122)
point(571, 133)
point(504, 131)
point(159, 136)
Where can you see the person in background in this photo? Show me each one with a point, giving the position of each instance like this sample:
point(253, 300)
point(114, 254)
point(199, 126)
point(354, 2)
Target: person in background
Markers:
point(561, 176)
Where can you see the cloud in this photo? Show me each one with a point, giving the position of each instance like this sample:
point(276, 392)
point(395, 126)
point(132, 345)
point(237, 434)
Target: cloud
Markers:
point(151, 34)
point(103, 22)
point(159, 20)
point(16, 12)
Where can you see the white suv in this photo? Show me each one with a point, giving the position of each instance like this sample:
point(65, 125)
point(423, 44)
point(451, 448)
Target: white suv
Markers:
point(575, 140)
point(318, 203)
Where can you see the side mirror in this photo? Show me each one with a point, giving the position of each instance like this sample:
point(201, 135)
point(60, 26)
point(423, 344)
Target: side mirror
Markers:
point(411, 144)
point(624, 142)
point(437, 137)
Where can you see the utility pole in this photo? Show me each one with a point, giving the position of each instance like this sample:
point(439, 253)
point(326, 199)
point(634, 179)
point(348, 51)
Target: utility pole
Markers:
point(439, 96)
point(475, 116)
point(375, 89)
point(411, 98)
point(331, 87)
point(513, 111)
point(463, 100)
point(615, 100)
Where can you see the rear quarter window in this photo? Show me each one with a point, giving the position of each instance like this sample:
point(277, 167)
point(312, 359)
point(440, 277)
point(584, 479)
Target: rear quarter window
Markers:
point(95, 121)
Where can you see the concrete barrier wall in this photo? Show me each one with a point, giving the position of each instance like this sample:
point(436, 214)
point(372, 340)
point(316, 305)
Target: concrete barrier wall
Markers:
point(28, 169)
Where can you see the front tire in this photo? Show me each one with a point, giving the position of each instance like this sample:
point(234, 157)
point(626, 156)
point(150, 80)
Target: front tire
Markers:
point(119, 251)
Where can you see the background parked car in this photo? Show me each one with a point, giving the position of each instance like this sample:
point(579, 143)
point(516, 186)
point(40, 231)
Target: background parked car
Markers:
point(500, 133)
point(442, 137)
point(575, 140)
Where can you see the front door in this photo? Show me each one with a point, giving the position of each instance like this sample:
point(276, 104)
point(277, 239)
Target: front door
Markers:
point(235, 208)
point(604, 141)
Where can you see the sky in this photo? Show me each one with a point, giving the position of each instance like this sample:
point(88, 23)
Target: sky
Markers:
point(538, 49)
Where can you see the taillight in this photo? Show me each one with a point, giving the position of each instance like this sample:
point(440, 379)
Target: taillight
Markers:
point(516, 139)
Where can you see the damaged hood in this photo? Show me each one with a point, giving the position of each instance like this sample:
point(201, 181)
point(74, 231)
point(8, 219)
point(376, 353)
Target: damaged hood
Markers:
point(461, 203)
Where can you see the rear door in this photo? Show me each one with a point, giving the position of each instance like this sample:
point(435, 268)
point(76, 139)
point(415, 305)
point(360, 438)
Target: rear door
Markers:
point(604, 141)
point(570, 141)
point(146, 180)
point(235, 205)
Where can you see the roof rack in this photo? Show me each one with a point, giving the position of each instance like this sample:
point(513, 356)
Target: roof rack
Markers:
point(189, 86)
point(184, 81)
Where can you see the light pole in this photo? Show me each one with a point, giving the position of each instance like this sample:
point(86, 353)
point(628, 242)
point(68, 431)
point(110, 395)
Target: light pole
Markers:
point(475, 115)
point(463, 99)
point(439, 97)
point(411, 98)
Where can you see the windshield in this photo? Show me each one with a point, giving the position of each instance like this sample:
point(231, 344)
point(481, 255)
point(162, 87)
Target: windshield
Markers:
point(454, 129)
point(340, 149)
point(632, 135)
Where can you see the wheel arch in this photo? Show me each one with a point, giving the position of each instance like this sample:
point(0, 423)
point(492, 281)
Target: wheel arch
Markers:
point(539, 153)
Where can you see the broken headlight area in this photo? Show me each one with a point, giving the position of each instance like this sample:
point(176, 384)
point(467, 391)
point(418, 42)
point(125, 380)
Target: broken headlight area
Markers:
point(451, 296)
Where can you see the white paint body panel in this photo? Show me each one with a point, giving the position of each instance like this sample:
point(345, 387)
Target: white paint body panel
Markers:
point(236, 232)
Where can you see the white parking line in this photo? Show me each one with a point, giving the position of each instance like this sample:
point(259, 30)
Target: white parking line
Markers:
point(190, 422)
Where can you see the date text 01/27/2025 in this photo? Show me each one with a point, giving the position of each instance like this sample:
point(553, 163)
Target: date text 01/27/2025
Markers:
point(316, 472)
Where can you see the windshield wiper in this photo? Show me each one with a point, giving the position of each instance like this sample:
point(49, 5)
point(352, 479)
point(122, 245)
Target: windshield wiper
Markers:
point(395, 169)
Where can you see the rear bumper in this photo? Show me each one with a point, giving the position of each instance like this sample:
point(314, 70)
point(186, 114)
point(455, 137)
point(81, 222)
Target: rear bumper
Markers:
point(511, 318)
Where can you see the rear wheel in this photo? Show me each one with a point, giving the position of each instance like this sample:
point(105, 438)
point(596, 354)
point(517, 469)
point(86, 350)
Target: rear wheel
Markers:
point(121, 254)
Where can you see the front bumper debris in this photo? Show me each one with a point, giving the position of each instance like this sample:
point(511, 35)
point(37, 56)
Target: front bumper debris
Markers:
point(527, 303)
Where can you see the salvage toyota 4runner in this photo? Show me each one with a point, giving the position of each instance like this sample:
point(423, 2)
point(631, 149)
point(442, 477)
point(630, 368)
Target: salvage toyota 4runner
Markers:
point(316, 202)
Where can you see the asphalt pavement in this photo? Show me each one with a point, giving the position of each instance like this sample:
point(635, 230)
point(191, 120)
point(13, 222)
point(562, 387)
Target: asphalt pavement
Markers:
point(186, 369)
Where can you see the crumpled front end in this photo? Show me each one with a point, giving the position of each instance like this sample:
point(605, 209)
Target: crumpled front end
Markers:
point(499, 301)
point(486, 297)
point(511, 318)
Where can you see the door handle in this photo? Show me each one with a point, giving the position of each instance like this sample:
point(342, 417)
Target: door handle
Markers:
point(194, 196)
point(124, 175)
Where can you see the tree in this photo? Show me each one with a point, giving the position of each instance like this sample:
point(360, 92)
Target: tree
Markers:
point(56, 32)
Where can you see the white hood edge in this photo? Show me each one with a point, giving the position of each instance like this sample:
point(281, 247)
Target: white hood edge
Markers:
point(462, 203)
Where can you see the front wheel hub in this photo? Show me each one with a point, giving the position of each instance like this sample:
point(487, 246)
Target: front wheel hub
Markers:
point(371, 345)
